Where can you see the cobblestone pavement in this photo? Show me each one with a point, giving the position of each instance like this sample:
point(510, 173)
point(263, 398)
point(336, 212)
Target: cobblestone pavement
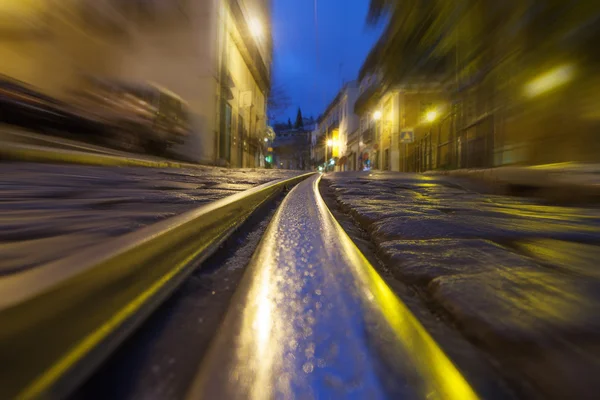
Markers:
point(519, 278)
point(48, 210)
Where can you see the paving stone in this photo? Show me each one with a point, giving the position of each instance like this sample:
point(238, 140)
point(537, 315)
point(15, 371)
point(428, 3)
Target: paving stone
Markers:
point(37, 193)
point(43, 201)
point(41, 204)
point(236, 187)
point(170, 185)
point(30, 253)
point(368, 216)
point(541, 325)
point(518, 228)
point(564, 370)
point(520, 306)
point(535, 308)
point(578, 258)
point(421, 227)
point(420, 261)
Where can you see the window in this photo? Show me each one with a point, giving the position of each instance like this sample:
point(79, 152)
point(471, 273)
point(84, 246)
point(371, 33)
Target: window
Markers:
point(225, 134)
point(241, 128)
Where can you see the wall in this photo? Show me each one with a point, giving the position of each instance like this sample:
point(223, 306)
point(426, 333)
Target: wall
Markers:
point(48, 44)
point(348, 121)
point(248, 101)
point(182, 56)
point(411, 116)
point(178, 48)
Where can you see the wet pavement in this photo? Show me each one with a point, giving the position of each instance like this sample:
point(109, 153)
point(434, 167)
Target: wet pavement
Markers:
point(48, 211)
point(518, 277)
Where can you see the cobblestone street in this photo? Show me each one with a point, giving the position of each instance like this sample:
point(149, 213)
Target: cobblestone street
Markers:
point(48, 211)
point(518, 277)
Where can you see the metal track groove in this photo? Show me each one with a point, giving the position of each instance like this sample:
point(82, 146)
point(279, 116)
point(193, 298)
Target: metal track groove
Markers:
point(313, 319)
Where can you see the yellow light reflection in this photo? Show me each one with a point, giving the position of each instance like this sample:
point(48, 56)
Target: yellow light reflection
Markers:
point(256, 353)
point(264, 308)
point(440, 378)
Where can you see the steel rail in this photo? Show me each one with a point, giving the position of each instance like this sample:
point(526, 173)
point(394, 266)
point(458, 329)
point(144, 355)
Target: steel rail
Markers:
point(60, 320)
point(313, 319)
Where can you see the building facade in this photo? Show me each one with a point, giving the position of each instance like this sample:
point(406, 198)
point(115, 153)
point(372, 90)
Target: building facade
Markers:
point(402, 127)
point(333, 139)
point(523, 89)
point(214, 54)
point(291, 149)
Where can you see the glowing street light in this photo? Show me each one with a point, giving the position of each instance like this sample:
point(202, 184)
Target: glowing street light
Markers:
point(431, 116)
point(330, 143)
point(377, 115)
point(256, 28)
point(266, 139)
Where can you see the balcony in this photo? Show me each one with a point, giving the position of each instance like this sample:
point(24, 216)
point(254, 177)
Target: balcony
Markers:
point(353, 137)
point(368, 134)
point(335, 124)
point(321, 139)
point(367, 100)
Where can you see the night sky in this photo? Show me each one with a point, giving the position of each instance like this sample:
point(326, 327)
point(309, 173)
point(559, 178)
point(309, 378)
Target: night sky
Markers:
point(344, 39)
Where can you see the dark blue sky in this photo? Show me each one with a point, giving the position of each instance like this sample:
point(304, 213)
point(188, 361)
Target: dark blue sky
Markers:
point(344, 39)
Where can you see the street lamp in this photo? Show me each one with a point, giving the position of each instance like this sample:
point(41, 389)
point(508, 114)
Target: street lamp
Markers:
point(377, 115)
point(431, 116)
point(256, 28)
point(330, 143)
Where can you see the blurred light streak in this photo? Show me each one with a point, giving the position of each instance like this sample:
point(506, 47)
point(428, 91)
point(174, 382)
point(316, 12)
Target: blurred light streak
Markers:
point(256, 28)
point(550, 80)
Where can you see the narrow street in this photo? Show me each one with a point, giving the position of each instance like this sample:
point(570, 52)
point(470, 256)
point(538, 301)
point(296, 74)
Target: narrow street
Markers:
point(506, 286)
point(291, 199)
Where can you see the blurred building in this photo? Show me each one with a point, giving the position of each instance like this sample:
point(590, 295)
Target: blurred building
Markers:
point(216, 55)
point(49, 44)
point(334, 141)
point(493, 83)
point(291, 149)
point(400, 125)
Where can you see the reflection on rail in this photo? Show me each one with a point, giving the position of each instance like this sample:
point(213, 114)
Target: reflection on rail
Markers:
point(313, 319)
